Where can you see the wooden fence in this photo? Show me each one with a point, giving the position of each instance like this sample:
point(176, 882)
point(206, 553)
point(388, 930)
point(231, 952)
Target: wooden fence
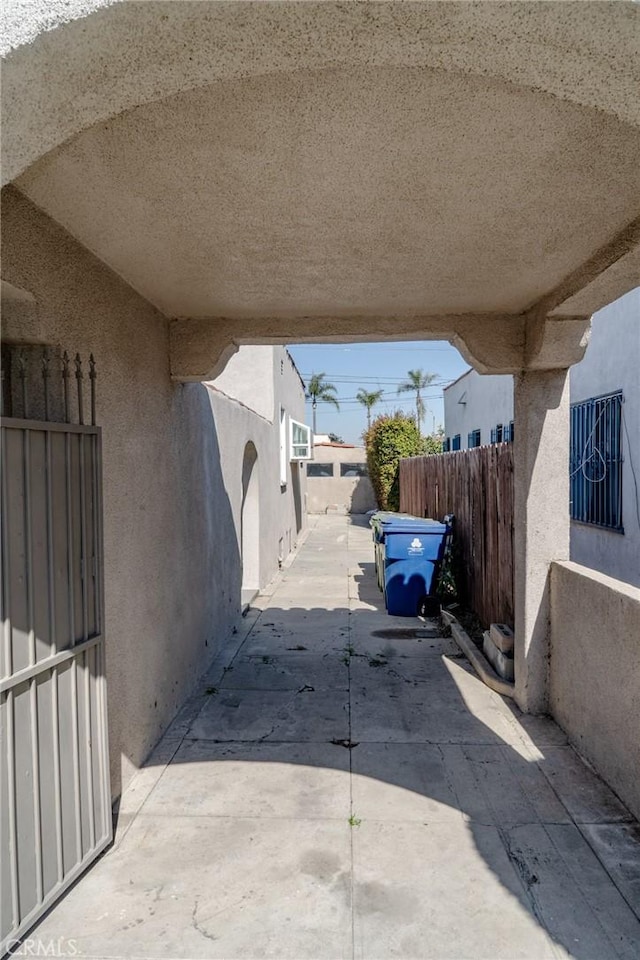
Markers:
point(477, 487)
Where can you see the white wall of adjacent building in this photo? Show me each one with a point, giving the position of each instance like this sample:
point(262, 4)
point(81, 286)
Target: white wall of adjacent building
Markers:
point(611, 363)
point(476, 402)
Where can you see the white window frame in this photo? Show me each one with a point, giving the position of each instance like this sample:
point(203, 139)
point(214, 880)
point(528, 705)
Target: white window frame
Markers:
point(284, 463)
point(307, 445)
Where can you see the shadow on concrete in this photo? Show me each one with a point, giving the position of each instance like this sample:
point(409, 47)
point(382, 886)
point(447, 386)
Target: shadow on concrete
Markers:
point(433, 758)
point(329, 782)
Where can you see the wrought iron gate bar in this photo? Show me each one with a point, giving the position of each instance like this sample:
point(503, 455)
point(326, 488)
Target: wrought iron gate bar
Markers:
point(65, 385)
point(22, 374)
point(53, 426)
point(45, 381)
point(55, 755)
point(35, 383)
point(79, 379)
point(57, 776)
point(6, 581)
point(22, 676)
point(92, 380)
point(13, 819)
point(77, 796)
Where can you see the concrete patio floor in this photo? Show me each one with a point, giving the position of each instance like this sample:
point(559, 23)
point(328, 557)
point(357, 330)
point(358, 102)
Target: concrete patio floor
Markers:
point(332, 792)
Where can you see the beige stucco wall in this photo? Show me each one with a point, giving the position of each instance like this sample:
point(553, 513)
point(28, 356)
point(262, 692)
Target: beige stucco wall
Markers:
point(264, 379)
point(353, 493)
point(248, 378)
point(172, 462)
point(595, 672)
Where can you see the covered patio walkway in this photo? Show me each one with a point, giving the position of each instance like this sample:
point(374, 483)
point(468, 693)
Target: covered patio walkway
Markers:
point(340, 789)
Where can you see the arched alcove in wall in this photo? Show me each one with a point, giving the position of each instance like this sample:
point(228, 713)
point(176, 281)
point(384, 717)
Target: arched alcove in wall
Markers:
point(250, 522)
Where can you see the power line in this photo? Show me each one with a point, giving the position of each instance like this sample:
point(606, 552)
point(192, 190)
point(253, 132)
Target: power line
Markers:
point(344, 379)
point(378, 343)
point(386, 398)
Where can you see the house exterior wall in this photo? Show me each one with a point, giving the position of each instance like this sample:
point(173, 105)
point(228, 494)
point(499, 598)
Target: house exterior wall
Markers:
point(595, 672)
point(172, 463)
point(246, 412)
point(249, 379)
point(612, 362)
point(354, 494)
point(476, 402)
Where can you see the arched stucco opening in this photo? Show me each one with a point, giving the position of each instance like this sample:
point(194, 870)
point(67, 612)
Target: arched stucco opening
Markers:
point(250, 523)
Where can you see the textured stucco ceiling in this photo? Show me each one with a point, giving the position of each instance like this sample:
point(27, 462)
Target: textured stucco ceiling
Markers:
point(358, 190)
point(71, 63)
point(288, 159)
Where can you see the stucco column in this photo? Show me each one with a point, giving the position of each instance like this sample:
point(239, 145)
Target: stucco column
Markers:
point(541, 521)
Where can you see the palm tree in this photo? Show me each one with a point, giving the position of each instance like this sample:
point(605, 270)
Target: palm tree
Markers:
point(319, 389)
point(368, 400)
point(417, 380)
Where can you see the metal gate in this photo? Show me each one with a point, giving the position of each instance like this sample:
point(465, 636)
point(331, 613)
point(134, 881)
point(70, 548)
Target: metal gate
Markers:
point(55, 810)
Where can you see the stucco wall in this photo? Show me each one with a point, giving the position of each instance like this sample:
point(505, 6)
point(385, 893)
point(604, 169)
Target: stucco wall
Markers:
point(595, 672)
point(611, 363)
point(353, 493)
point(172, 460)
point(282, 514)
point(248, 378)
point(476, 402)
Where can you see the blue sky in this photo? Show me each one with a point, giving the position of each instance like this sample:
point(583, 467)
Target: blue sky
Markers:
point(375, 366)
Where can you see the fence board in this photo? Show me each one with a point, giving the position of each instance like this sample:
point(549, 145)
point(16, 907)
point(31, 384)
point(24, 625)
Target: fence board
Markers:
point(477, 487)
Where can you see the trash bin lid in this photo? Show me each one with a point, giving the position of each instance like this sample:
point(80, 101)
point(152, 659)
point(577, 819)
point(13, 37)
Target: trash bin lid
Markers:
point(385, 516)
point(415, 525)
point(381, 520)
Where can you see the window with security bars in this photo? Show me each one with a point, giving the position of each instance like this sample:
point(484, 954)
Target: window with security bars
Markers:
point(473, 439)
point(596, 461)
point(455, 442)
point(498, 434)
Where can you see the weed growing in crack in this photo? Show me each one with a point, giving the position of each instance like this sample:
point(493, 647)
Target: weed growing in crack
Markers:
point(378, 662)
point(349, 651)
point(354, 821)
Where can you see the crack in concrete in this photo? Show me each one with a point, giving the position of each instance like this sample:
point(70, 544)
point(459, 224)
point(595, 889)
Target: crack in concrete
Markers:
point(198, 926)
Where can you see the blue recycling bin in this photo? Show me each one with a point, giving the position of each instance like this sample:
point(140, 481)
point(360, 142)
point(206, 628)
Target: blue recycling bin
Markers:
point(379, 522)
point(412, 552)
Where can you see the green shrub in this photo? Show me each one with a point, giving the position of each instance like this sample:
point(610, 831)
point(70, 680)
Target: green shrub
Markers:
point(432, 445)
point(389, 439)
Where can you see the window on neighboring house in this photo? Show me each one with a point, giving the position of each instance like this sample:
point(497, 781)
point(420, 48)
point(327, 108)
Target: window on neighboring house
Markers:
point(596, 461)
point(353, 470)
point(473, 439)
point(455, 442)
point(319, 469)
point(446, 445)
point(509, 432)
point(498, 434)
point(300, 440)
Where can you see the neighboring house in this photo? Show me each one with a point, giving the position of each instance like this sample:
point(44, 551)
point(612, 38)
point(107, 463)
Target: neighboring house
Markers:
point(605, 451)
point(605, 437)
point(477, 410)
point(338, 479)
point(258, 402)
